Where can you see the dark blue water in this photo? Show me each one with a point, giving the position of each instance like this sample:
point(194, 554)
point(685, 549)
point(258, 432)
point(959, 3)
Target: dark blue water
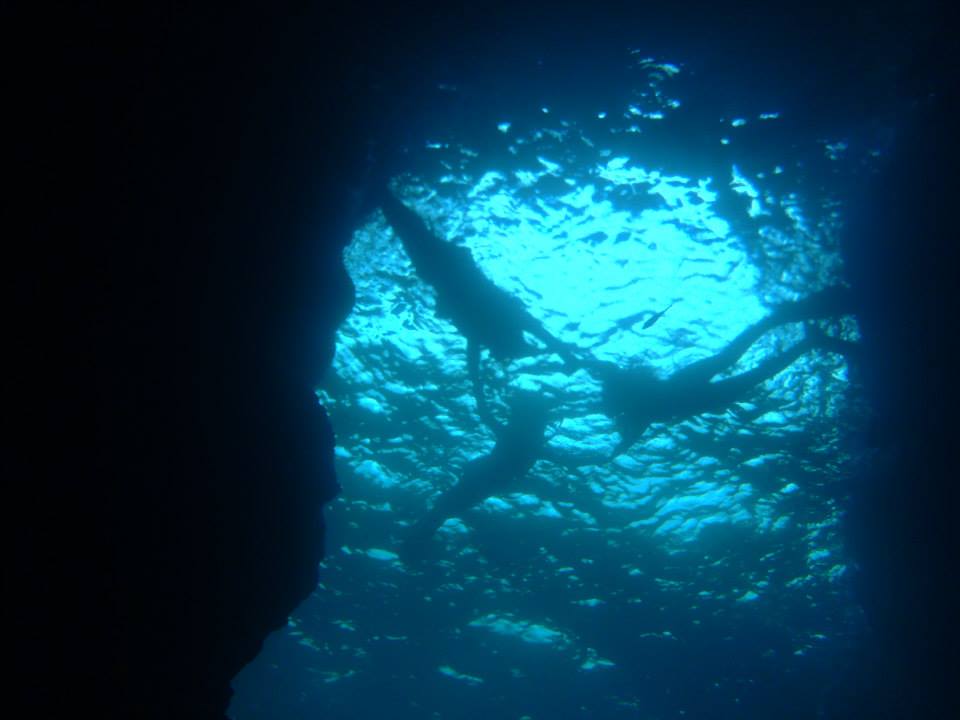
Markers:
point(698, 572)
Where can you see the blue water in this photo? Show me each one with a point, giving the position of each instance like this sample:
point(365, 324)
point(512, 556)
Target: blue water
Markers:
point(701, 573)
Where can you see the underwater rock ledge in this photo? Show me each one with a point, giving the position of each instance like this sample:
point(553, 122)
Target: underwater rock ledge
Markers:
point(174, 311)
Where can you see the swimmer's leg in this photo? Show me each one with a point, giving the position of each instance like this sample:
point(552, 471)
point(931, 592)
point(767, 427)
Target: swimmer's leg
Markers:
point(719, 396)
point(702, 370)
point(475, 485)
point(483, 410)
point(853, 352)
point(830, 302)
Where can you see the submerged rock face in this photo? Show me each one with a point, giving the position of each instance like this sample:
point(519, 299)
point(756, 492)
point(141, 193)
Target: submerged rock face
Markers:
point(174, 311)
point(902, 259)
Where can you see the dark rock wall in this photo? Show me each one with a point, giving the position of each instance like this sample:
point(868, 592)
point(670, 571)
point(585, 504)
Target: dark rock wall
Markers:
point(902, 254)
point(175, 304)
point(184, 181)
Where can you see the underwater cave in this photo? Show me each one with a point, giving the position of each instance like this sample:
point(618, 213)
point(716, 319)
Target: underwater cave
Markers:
point(522, 360)
point(663, 577)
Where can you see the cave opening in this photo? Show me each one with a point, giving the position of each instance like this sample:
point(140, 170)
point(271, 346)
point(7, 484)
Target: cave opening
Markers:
point(644, 240)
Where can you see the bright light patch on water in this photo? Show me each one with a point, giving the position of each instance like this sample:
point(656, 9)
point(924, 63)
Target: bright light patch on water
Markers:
point(379, 554)
point(528, 632)
point(449, 672)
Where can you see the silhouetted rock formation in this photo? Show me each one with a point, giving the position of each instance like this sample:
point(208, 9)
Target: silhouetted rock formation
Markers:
point(902, 255)
point(173, 313)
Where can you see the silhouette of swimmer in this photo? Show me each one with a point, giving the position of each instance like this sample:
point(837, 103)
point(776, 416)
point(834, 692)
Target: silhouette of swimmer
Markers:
point(518, 446)
point(485, 315)
point(652, 320)
point(626, 324)
point(635, 398)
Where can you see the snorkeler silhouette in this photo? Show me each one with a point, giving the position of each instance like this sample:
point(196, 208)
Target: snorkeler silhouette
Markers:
point(486, 315)
point(518, 446)
point(634, 398)
point(652, 320)
point(624, 324)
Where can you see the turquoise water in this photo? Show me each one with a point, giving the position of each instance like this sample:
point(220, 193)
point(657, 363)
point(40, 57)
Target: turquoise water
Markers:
point(700, 573)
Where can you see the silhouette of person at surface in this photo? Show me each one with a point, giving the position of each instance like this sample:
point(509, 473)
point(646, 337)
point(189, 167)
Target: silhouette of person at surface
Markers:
point(518, 446)
point(634, 398)
point(486, 315)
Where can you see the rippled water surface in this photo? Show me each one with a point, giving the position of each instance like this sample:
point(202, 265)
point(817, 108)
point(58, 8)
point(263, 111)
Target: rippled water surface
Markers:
point(698, 574)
